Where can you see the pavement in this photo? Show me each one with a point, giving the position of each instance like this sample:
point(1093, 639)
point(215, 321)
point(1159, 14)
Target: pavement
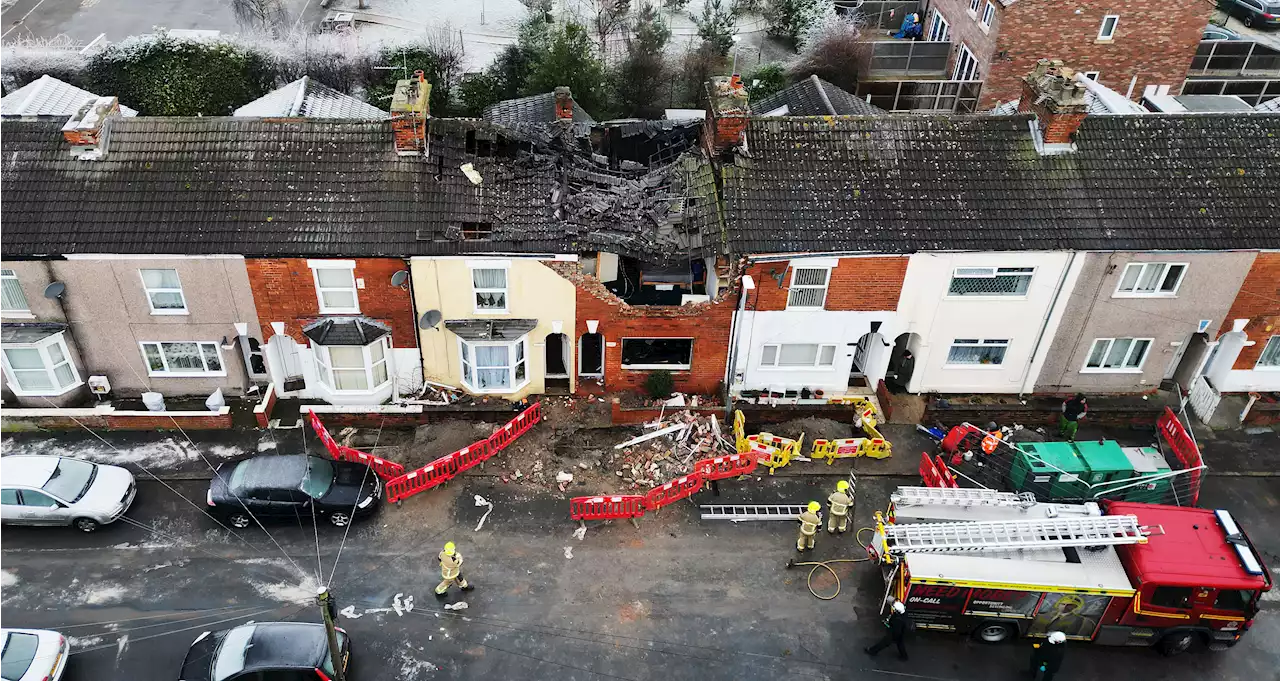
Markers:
point(676, 598)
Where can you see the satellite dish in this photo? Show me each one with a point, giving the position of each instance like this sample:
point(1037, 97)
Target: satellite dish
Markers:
point(399, 278)
point(55, 290)
point(430, 319)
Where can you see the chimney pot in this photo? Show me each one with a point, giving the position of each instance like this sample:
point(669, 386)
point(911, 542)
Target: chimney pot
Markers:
point(89, 128)
point(564, 104)
point(727, 112)
point(1051, 93)
point(410, 109)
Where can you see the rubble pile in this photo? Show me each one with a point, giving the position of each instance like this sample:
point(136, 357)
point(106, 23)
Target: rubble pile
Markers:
point(669, 449)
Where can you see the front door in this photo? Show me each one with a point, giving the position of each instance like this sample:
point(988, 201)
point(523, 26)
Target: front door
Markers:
point(591, 355)
point(557, 356)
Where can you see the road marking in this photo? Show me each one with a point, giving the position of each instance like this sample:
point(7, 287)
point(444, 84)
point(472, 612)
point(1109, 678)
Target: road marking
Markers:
point(24, 18)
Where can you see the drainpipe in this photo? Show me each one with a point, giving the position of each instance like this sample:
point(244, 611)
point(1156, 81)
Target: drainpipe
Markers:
point(747, 285)
point(1044, 326)
point(417, 330)
point(66, 316)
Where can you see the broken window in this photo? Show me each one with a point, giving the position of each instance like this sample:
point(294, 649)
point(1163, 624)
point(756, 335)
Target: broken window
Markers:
point(476, 231)
point(657, 353)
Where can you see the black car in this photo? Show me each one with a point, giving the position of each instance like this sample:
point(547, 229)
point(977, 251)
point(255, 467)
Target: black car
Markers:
point(290, 486)
point(264, 651)
point(1254, 13)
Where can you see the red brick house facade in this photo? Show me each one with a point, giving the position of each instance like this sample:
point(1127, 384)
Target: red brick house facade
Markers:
point(1152, 40)
point(856, 284)
point(1259, 302)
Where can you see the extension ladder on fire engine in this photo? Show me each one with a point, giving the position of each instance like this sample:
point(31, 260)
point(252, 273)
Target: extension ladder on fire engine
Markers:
point(959, 496)
point(989, 535)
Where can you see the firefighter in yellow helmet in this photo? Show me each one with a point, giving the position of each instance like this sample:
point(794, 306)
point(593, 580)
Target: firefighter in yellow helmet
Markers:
point(809, 522)
point(451, 570)
point(840, 501)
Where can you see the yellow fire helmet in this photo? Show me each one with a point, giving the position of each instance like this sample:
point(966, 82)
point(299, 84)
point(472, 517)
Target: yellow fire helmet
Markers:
point(843, 485)
point(449, 549)
point(814, 507)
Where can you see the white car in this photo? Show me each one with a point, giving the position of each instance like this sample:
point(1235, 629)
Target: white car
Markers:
point(57, 490)
point(32, 655)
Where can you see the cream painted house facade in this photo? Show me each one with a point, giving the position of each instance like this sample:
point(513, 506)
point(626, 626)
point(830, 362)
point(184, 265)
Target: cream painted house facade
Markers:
point(499, 326)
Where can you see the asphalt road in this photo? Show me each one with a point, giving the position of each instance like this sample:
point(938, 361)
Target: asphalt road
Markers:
point(677, 598)
point(84, 20)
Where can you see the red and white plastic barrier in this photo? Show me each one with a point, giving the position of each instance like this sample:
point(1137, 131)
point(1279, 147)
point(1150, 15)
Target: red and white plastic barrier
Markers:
point(387, 470)
point(607, 508)
point(935, 473)
point(1184, 447)
point(634, 506)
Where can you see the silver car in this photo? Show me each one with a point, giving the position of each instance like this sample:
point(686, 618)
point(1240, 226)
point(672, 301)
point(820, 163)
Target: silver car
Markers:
point(56, 490)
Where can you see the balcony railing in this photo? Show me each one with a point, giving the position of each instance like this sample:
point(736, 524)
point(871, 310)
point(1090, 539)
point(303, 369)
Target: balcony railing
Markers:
point(1235, 58)
point(1252, 91)
point(881, 15)
point(923, 96)
point(908, 58)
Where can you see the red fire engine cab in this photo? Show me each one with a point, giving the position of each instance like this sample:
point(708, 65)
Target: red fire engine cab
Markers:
point(999, 565)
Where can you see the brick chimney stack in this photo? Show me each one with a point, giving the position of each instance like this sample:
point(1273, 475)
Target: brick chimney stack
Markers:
point(727, 112)
point(89, 128)
point(1057, 100)
point(564, 104)
point(410, 110)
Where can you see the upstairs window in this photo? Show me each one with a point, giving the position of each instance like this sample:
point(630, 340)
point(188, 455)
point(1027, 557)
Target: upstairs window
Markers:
point(939, 30)
point(973, 6)
point(966, 65)
point(336, 287)
point(1270, 357)
point(990, 281)
point(1117, 354)
point(1108, 29)
point(490, 288)
point(164, 291)
point(1150, 279)
point(988, 14)
point(14, 300)
point(808, 287)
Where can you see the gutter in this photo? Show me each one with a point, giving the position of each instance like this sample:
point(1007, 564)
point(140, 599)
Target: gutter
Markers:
point(1044, 326)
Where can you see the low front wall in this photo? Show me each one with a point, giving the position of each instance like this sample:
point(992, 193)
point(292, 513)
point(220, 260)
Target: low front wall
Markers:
point(1008, 410)
point(108, 418)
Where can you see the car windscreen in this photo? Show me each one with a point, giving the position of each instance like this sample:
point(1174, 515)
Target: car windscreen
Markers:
point(71, 479)
point(19, 651)
point(229, 659)
point(327, 663)
point(319, 477)
point(236, 483)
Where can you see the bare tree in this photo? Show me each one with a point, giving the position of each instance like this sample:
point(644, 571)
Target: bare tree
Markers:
point(260, 16)
point(607, 17)
point(834, 53)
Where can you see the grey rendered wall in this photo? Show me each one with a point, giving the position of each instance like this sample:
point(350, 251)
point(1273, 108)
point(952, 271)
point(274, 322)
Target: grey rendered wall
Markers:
point(1208, 288)
point(107, 308)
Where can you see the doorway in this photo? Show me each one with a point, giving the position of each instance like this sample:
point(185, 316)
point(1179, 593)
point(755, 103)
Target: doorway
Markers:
point(1187, 362)
point(865, 353)
point(557, 355)
point(591, 355)
point(287, 357)
point(902, 362)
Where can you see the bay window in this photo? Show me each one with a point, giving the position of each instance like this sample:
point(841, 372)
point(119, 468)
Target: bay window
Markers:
point(183, 359)
point(494, 367)
point(354, 368)
point(42, 368)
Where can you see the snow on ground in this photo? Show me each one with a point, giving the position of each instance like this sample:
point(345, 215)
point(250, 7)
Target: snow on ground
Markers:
point(411, 667)
point(82, 642)
point(165, 453)
point(7, 578)
point(289, 592)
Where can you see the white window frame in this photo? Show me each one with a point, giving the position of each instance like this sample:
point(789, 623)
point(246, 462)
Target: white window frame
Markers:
point(324, 367)
point(793, 287)
point(961, 61)
point(939, 28)
point(349, 266)
point(977, 343)
point(169, 373)
point(1164, 270)
point(1093, 75)
point(505, 290)
point(990, 273)
point(1115, 24)
point(988, 15)
point(1274, 340)
point(467, 358)
point(148, 291)
point(7, 275)
point(42, 346)
point(973, 8)
point(653, 367)
point(1122, 369)
point(817, 358)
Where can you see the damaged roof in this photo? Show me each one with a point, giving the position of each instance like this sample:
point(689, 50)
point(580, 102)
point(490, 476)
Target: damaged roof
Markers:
point(813, 96)
point(899, 184)
point(533, 109)
point(261, 187)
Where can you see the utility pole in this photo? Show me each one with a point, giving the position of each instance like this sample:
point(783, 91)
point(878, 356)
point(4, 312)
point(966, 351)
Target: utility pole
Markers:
point(328, 611)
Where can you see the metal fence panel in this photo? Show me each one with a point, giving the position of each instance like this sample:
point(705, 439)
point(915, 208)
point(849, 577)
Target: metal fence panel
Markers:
point(924, 96)
point(1235, 58)
point(909, 57)
point(880, 14)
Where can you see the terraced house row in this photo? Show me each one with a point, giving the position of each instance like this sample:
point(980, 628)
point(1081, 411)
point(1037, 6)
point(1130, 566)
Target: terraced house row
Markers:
point(536, 250)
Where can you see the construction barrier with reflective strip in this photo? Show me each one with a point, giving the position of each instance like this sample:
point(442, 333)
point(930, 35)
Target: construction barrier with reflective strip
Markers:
point(680, 488)
point(721, 467)
point(515, 428)
point(437, 472)
point(387, 470)
point(935, 473)
point(837, 449)
point(606, 508)
point(1184, 447)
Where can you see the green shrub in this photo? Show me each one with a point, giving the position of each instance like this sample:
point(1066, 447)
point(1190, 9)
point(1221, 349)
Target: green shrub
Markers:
point(659, 384)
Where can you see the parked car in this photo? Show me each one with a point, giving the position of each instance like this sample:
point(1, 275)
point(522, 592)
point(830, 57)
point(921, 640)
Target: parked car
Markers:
point(57, 490)
point(1214, 32)
point(32, 655)
point(264, 651)
point(291, 486)
point(1259, 13)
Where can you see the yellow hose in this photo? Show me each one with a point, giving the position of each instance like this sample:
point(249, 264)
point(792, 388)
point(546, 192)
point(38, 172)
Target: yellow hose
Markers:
point(826, 565)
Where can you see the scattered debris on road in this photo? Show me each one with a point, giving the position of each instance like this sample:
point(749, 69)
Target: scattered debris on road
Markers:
point(460, 605)
point(481, 501)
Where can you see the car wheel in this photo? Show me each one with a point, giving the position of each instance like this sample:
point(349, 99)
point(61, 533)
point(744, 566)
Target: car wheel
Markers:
point(1177, 643)
point(1248, 20)
point(994, 632)
point(340, 519)
point(85, 524)
point(239, 520)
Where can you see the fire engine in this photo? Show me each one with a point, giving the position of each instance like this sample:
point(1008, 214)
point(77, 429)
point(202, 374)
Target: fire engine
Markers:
point(1000, 565)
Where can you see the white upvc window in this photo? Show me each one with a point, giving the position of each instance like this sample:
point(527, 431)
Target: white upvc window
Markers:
point(1108, 29)
point(973, 7)
point(489, 367)
point(988, 14)
point(335, 286)
point(808, 287)
point(1117, 355)
point(939, 29)
point(797, 355)
point(164, 291)
point(13, 299)
point(966, 65)
point(40, 369)
point(990, 281)
point(183, 358)
point(1092, 75)
point(489, 286)
point(1150, 279)
point(1270, 357)
point(977, 351)
point(354, 368)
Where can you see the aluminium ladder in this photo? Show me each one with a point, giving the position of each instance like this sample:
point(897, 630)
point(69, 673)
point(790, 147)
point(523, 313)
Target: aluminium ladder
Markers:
point(752, 511)
point(989, 535)
point(960, 496)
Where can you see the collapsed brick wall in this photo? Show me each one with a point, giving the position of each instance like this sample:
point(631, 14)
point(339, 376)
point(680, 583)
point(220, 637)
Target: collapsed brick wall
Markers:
point(1259, 302)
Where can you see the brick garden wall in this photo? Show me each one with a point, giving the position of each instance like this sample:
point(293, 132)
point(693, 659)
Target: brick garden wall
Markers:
point(284, 291)
point(1259, 302)
point(870, 284)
